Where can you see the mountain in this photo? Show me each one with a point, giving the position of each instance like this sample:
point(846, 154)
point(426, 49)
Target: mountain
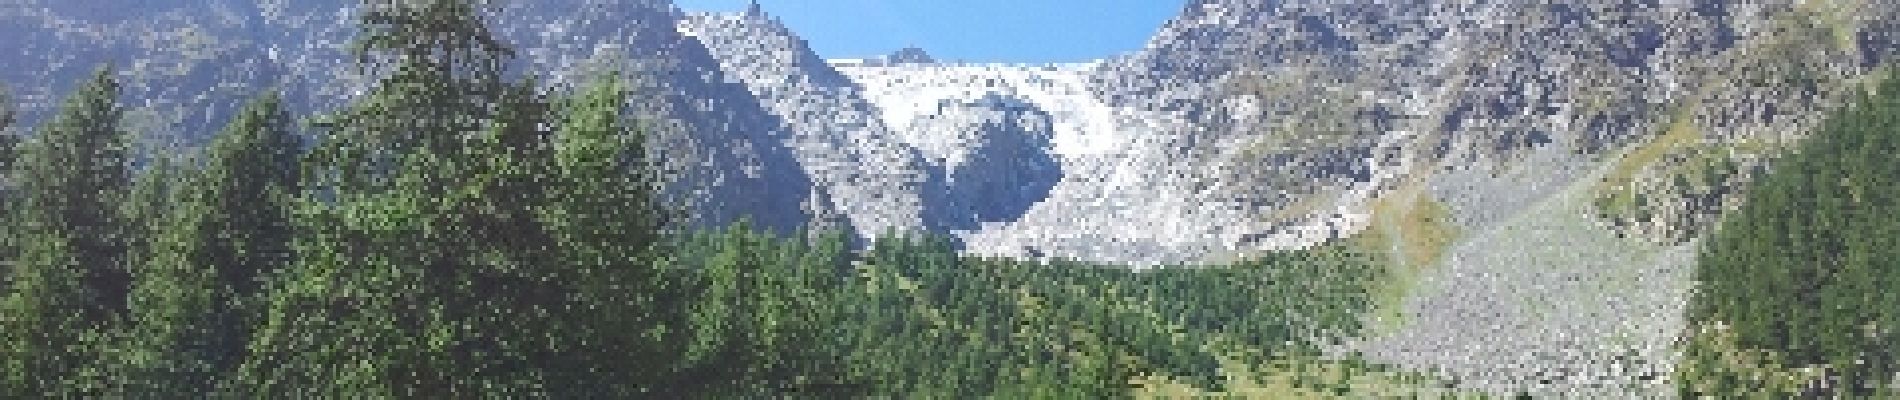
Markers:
point(187, 64)
point(911, 55)
point(1542, 170)
point(1242, 126)
point(875, 181)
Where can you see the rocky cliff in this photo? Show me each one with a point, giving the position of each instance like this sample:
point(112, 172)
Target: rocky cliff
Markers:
point(1242, 126)
point(1575, 149)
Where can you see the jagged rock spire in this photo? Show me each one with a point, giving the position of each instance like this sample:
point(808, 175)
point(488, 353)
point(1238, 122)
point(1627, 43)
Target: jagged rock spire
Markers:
point(753, 9)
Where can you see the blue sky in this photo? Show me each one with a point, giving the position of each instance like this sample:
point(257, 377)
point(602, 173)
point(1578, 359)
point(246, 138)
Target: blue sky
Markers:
point(1016, 31)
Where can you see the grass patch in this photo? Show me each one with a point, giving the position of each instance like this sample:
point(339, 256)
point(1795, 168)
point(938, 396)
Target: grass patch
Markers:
point(1780, 60)
point(1672, 168)
point(1414, 231)
point(1682, 133)
point(1715, 365)
point(1832, 19)
point(1419, 228)
point(1306, 378)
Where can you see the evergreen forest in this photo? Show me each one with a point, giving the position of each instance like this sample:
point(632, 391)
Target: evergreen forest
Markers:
point(464, 230)
point(1795, 292)
point(460, 232)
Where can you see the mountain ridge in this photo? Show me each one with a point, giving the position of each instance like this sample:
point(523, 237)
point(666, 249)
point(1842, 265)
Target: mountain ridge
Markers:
point(1242, 126)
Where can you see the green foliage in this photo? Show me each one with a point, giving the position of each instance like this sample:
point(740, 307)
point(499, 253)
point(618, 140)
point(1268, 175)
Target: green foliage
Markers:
point(528, 259)
point(9, 143)
point(9, 153)
point(444, 38)
point(1806, 269)
point(454, 234)
point(1713, 365)
point(599, 213)
point(386, 295)
point(8, 114)
point(456, 246)
point(69, 283)
point(217, 237)
point(934, 324)
point(763, 316)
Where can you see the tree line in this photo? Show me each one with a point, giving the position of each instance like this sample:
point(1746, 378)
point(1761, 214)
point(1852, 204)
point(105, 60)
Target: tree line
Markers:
point(1795, 291)
point(456, 233)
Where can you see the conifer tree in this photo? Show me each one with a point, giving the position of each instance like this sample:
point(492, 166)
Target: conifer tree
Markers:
point(227, 229)
point(453, 245)
point(601, 214)
point(1805, 270)
point(763, 318)
point(9, 144)
point(147, 210)
point(370, 308)
point(9, 151)
point(69, 283)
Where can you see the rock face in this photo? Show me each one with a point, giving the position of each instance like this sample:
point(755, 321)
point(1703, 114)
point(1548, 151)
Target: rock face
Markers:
point(727, 152)
point(1243, 125)
point(874, 180)
point(995, 154)
point(188, 64)
point(910, 55)
point(1519, 117)
point(1383, 93)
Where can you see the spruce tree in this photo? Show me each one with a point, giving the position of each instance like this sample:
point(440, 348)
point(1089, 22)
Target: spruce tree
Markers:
point(9, 143)
point(763, 317)
point(226, 230)
point(1805, 270)
point(147, 209)
point(69, 283)
point(453, 245)
point(9, 151)
point(602, 217)
point(370, 308)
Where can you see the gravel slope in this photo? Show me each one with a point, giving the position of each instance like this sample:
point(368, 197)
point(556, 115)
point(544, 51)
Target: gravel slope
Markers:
point(1541, 300)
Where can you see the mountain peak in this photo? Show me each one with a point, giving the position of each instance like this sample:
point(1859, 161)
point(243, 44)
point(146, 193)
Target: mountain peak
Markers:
point(910, 55)
point(752, 9)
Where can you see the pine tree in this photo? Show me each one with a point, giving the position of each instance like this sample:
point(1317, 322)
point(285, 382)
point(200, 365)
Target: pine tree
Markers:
point(146, 211)
point(1805, 270)
point(9, 144)
point(9, 152)
point(370, 308)
point(764, 320)
point(600, 211)
point(455, 246)
point(69, 284)
point(226, 230)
